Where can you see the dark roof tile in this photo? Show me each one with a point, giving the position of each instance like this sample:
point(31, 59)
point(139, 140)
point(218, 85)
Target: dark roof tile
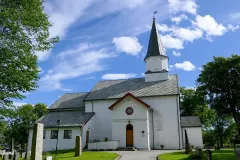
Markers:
point(190, 121)
point(114, 89)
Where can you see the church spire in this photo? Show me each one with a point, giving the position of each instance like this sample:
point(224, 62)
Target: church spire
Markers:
point(155, 46)
point(156, 59)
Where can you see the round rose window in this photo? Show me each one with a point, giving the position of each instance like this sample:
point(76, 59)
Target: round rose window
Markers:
point(129, 111)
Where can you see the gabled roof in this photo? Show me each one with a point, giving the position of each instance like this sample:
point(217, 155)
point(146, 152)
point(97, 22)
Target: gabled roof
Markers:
point(190, 121)
point(125, 96)
point(75, 118)
point(114, 89)
point(155, 46)
point(70, 101)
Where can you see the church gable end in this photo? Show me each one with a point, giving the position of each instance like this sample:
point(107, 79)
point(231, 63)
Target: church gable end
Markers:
point(124, 97)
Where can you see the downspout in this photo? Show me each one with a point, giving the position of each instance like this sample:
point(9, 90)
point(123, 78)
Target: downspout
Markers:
point(152, 129)
point(178, 117)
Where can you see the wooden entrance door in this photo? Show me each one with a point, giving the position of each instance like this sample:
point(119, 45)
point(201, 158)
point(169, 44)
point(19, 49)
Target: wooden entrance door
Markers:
point(129, 135)
point(87, 137)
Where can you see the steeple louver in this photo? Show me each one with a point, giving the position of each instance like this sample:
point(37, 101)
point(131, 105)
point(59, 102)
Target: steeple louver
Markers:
point(155, 46)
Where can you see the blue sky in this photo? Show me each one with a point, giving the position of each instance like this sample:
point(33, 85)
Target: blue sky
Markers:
point(108, 39)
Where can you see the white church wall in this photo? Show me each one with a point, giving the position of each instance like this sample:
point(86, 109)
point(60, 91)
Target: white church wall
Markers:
point(166, 121)
point(156, 63)
point(87, 127)
point(194, 136)
point(139, 111)
point(150, 129)
point(139, 120)
point(102, 119)
point(156, 76)
point(50, 144)
point(140, 140)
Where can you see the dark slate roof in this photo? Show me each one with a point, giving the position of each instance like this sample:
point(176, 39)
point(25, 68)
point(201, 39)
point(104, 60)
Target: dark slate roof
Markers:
point(68, 118)
point(190, 121)
point(155, 46)
point(113, 89)
point(69, 100)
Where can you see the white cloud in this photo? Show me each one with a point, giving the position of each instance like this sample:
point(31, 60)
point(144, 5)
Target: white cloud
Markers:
point(163, 28)
point(129, 45)
point(171, 42)
point(178, 19)
point(18, 104)
point(118, 76)
point(74, 63)
point(209, 25)
point(188, 34)
point(233, 28)
point(186, 66)
point(235, 17)
point(177, 54)
point(183, 5)
point(191, 87)
point(41, 71)
point(69, 16)
point(42, 56)
point(62, 15)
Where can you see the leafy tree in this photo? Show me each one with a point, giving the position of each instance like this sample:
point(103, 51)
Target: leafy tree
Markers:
point(220, 81)
point(194, 104)
point(24, 30)
point(40, 109)
point(3, 126)
point(26, 115)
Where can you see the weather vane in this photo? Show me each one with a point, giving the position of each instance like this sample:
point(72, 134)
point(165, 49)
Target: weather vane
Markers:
point(154, 14)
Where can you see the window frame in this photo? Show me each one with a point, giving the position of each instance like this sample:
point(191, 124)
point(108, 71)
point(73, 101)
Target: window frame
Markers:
point(44, 134)
point(51, 137)
point(66, 133)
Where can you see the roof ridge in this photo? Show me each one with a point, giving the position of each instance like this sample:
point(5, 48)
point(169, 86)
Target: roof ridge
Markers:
point(75, 93)
point(119, 79)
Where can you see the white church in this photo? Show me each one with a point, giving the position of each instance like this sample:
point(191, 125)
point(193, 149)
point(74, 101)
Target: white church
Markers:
point(143, 113)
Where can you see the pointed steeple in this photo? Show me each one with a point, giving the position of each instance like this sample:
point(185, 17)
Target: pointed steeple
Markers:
point(155, 46)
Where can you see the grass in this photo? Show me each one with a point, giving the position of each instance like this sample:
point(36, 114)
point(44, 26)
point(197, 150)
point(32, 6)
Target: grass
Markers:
point(223, 154)
point(174, 156)
point(69, 155)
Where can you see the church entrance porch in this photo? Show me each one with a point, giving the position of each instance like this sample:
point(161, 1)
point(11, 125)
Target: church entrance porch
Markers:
point(129, 135)
point(130, 122)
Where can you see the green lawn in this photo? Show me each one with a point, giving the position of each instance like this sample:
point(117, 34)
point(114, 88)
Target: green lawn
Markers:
point(224, 154)
point(69, 155)
point(174, 156)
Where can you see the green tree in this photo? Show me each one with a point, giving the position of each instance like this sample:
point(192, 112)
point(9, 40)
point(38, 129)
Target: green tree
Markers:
point(194, 104)
point(24, 30)
point(220, 81)
point(3, 126)
point(25, 116)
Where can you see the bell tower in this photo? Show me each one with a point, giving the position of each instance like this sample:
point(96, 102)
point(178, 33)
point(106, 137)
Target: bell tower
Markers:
point(156, 59)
